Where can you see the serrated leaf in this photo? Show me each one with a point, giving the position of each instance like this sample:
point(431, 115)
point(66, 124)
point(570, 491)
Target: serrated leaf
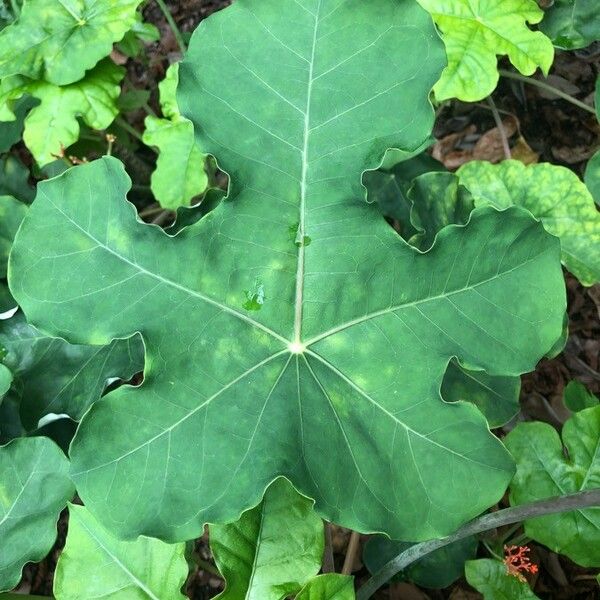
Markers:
point(475, 32)
point(577, 397)
point(330, 586)
point(53, 124)
point(572, 24)
point(179, 174)
point(553, 194)
point(490, 577)
point(545, 470)
point(495, 396)
point(14, 179)
point(53, 376)
point(334, 382)
point(94, 564)
point(272, 550)
point(12, 212)
point(59, 41)
point(437, 570)
point(34, 488)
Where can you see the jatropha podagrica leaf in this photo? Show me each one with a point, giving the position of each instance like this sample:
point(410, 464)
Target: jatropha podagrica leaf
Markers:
point(291, 331)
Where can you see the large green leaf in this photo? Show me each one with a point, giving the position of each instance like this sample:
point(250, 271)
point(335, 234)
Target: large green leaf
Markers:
point(53, 124)
point(34, 488)
point(60, 40)
point(572, 24)
point(179, 174)
point(94, 564)
point(291, 331)
point(544, 469)
point(328, 587)
point(475, 32)
point(491, 579)
point(12, 212)
point(439, 569)
point(272, 550)
point(53, 376)
point(553, 194)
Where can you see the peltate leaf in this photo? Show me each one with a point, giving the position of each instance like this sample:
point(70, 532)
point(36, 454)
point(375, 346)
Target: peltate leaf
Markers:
point(53, 376)
point(545, 470)
point(437, 570)
point(577, 397)
point(491, 579)
point(475, 32)
point(12, 212)
point(14, 179)
point(291, 331)
point(53, 124)
point(34, 488)
point(179, 174)
point(272, 550)
point(330, 586)
point(553, 194)
point(572, 24)
point(59, 41)
point(94, 564)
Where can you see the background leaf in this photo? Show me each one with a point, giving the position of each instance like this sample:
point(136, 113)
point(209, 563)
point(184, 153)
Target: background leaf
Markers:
point(577, 397)
point(273, 549)
point(475, 32)
point(572, 24)
point(94, 564)
point(35, 487)
point(60, 41)
point(544, 470)
point(552, 193)
point(14, 179)
point(12, 212)
point(491, 579)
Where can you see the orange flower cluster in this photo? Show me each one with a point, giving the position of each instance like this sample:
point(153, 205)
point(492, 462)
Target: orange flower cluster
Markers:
point(517, 562)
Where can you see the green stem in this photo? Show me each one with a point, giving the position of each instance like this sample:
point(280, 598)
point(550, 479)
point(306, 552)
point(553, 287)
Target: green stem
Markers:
point(486, 522)
point(169, 17)
point(500, 127)
point(121, 122)
point(548, 88)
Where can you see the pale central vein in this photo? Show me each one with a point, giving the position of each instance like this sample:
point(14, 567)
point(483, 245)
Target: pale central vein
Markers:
point(303, 178)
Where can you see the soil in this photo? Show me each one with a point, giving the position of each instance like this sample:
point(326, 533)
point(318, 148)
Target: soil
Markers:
point(540, 128)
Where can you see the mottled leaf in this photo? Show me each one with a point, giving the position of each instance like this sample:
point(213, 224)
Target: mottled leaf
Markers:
point(34, 488)
point(572, 24)
point(94, 564)
point(490, 577)
point(553, 194)
point(328, 587)
point(53, 376)
point(53, 124)
point(334, 383)
point(544, 470)
point(272, 550)
point(59, 41)
point(179, 174)
point(437, 570)
point(475, 32)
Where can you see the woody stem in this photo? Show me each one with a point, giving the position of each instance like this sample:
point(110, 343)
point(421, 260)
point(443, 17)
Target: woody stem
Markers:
point(486, 522)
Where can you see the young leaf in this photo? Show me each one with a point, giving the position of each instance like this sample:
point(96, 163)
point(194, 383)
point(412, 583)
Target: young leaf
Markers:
point(437, 570)
point(572, 24)
point(60, 41)
point(334, 382)
point(179, 174)
point(553, 194)
point(53, 376)
point(475, 32)
point(94, 564)
point(35, 487)
point(545, 470)
point(330, 586)
point(491, 579)
point(577, 397)
point(53, 124)
point(272, 550)
point(12, 212)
